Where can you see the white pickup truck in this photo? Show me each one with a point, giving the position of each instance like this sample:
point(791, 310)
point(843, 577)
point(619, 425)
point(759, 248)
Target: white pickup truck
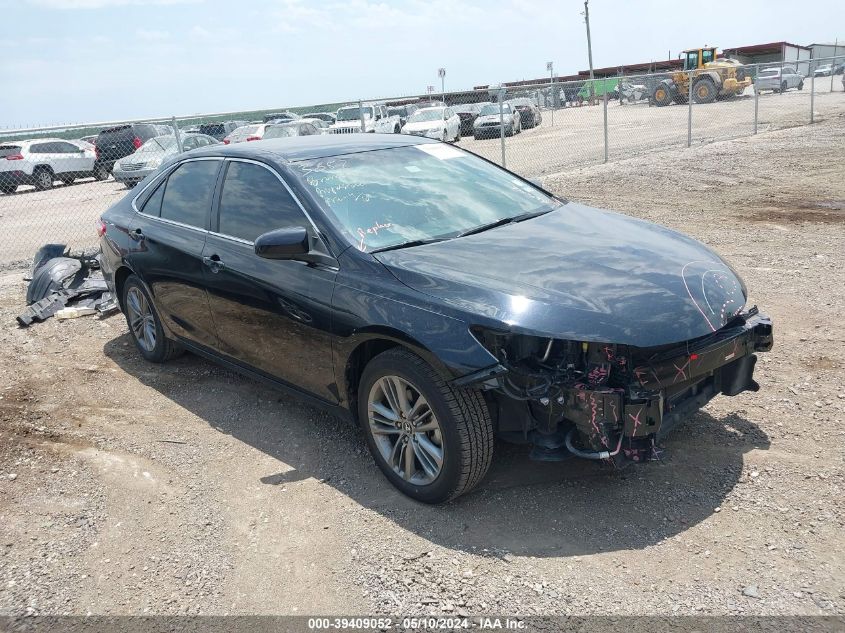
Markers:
point(375, 119)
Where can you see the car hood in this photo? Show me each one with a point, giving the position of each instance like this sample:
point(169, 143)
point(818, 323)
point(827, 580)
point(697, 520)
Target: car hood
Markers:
point(492, 117)
point(424, 125)
point(579, 273)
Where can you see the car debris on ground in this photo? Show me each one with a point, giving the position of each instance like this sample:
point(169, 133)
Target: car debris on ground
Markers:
point(59, 277)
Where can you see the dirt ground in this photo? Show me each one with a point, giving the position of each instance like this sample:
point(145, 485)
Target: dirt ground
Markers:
point(130, 488)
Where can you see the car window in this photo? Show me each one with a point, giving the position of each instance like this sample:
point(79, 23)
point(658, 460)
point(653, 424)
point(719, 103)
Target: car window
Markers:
point(67, 148)
point(153, 204)
point(9, 150)
point(41, 148)
point(190, 143)
point(187, 195)
point(254, 201)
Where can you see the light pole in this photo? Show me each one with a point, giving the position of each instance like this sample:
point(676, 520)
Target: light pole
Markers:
point(550, 66)
point(441, 72)
point(589, 48)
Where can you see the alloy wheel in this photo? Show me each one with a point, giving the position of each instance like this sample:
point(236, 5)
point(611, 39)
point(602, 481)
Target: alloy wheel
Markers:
point(406, 430)
point(141, 319)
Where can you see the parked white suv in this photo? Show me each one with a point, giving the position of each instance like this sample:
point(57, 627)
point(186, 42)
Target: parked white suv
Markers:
point(40, 163)
point(779, 80)
point(376, 119)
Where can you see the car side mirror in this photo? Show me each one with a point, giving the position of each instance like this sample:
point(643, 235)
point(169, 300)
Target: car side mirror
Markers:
point(283, 243)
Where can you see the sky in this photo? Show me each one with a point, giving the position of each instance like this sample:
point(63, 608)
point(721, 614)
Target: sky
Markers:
point(76, 61)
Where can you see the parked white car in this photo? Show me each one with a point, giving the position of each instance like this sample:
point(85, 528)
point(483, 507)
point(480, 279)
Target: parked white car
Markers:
point(778, 81)
point(440, 123)
point(375, 118)
point(42, 162)
point(251, 132)
point(823, 71)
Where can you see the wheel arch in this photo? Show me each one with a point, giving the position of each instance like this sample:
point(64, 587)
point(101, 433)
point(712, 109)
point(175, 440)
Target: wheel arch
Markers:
point(369, 344)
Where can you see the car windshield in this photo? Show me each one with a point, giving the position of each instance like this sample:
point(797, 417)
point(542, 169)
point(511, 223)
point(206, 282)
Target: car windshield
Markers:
point(493, 108)
point(353, 114)
point(157, 145)
point(431, 114)
point(279, 131)
point(389, 197)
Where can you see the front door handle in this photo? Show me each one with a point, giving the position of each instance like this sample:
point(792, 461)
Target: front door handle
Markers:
point(214, 263)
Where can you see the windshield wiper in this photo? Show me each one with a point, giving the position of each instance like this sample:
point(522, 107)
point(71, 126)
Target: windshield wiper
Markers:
point(410, 244)
point(503, 221)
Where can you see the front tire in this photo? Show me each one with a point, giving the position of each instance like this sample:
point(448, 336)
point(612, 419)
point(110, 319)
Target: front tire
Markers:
point(145, 325)
point(433, 442)
point(704, 91)
point(801, 85)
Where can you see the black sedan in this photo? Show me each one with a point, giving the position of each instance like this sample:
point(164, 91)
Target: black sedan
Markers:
point(432, 296)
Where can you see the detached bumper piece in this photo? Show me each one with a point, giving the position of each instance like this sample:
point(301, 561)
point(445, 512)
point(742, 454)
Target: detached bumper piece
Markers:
point(58, 278)
point(618, 401)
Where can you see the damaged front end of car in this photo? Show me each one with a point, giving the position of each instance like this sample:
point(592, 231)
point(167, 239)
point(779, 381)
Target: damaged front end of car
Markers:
point(607, 401)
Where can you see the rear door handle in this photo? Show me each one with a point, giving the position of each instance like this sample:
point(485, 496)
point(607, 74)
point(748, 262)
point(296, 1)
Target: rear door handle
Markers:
point(214, 263)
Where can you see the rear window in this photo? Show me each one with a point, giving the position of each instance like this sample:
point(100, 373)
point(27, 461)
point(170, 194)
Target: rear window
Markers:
point(212, 129)
point(9, 150)
point(120, 132)
point(187, 194)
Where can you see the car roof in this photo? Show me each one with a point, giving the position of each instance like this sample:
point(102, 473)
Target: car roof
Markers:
point(311, 147)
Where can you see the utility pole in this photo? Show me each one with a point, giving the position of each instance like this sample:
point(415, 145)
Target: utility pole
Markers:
point(833, 64)
point(551, 68)
point(589, 49)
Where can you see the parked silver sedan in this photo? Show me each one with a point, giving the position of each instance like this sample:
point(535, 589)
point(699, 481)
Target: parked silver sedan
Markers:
point(779, 80)
point(148, 158)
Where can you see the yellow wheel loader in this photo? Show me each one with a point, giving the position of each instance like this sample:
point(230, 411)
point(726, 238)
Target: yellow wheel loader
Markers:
point(711, 79)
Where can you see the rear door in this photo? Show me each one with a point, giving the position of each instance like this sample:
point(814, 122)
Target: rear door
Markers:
point(76, 160)
point(171, 229)
point(271, 315)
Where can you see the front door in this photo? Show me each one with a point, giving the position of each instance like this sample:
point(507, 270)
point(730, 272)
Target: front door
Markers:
point(272, 315)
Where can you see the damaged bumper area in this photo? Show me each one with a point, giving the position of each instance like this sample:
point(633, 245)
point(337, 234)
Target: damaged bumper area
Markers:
point(608, 401)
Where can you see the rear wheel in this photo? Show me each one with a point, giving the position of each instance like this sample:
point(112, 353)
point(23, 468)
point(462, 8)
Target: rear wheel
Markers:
point(783, 86)
point(43, 178)
point(145, 325)
point(101, 172)
point(431, 441)
point(801, 85)
point(704, 91)
point(662, 95)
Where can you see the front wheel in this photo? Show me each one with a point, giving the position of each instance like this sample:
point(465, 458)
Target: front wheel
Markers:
point(801, 85)
point(433, 442)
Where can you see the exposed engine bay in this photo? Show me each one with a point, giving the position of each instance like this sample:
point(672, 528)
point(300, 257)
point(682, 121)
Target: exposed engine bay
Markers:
point(606, 401)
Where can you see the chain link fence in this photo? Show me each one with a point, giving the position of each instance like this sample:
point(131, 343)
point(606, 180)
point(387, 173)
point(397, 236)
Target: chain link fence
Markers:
point(56, 181)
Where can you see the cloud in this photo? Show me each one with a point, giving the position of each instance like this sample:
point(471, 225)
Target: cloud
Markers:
point(104, 4)
point(151, 35)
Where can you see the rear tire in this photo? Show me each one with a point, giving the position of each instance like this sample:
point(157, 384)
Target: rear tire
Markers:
point(145, 325)
point(783, 86)
point(801, 85)
point(662, 95)
point(460, 428)
point(43, 178)
point(101, 172)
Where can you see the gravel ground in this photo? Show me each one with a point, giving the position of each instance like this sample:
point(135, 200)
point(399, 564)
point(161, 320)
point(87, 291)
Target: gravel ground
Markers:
point(129, 488)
